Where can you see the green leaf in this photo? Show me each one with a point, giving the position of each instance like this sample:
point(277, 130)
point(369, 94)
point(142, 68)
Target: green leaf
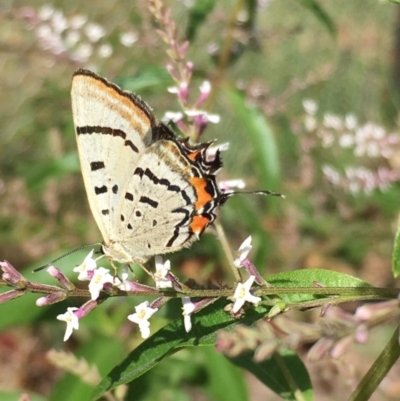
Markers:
point(321, 15)
point(207, 322)
point(226, 380)
point(284, 373)
point(149, 78)
point(396, 253)
point(173, 337)
point(16, 395)
point(395, 1)
point(306, 278)
point(260, 136)
point(37, 175)
point(197, 15)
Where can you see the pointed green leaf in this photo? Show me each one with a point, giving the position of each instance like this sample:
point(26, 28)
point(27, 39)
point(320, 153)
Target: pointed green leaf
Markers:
point(173, 337)
point(197, 15)
point(284, 373)
point(207, 322)
point(148, 78)
point(396, 254)
point(260, 136)
point(226, 381)
point(320, 14)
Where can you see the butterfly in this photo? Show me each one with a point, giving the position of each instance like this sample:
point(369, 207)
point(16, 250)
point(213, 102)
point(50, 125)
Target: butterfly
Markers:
point(150, 191)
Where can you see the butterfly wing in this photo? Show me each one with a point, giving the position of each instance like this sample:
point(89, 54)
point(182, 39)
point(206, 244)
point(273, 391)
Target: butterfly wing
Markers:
point(168, 202)
point(113, 127)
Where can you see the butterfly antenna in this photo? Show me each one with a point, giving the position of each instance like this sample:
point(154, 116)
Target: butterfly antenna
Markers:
point(63, 256)
point(227, 195)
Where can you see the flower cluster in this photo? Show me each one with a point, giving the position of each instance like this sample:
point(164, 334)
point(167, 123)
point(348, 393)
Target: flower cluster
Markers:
point(363, 143)
point(193, 120)
point(103, 284)
point(331, 335)
point(72, 37)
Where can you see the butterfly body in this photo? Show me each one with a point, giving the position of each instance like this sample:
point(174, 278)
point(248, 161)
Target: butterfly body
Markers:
point(150, 192)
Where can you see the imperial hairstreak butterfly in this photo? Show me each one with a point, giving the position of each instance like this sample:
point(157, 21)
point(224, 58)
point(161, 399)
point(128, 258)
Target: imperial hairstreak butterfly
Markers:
point(150, 192)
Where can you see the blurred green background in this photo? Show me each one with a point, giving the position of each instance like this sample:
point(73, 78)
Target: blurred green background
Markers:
point(345, 55)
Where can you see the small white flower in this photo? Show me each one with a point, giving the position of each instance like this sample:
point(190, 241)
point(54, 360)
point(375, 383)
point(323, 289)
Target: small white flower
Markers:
point(350, 121)
point(310, 106)
point(127, 39)
point(89, 264)
point(332, 121)
point(229, 185)
point(46, 12)
point(72, 38)
point(100, 277)
point(59, 22)
point(83, 52)
point(123, 285)
point(173, 89)
point(188, 308)
point(212, 118)
point(310, 123)
point(172, 116)
point(72, 321)
point(346, 140)
point(141, 317)
point(94, 32)
point(205, 87)
point(77, 21)
point(160, 276)
point(105, 50)
point(242, 294)
point(243, 251)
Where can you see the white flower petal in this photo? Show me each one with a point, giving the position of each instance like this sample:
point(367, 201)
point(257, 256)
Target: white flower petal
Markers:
point(242, 294)
point(72, 321)
point(88, 264)
point(141, 316)
point(243, 251)
point(162, 270)
point(188, 308)
point(100, 277)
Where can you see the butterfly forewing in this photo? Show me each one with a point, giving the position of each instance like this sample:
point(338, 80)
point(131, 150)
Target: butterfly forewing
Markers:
point(112, 129)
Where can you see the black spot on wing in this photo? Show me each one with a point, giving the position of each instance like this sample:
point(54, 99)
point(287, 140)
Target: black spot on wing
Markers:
point(115, 188)
point(151, 202)
point(105, 212)
point(129, 196)
point(96, 165)
point(139, 171)
point(100, 190)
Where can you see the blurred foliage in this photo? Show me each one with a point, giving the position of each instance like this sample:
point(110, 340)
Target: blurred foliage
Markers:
point(342, 54)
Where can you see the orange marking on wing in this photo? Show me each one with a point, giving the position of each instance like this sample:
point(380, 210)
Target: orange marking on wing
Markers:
point(134, 108)
point(203, 196)
point(199, 223)
point(193, 155)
